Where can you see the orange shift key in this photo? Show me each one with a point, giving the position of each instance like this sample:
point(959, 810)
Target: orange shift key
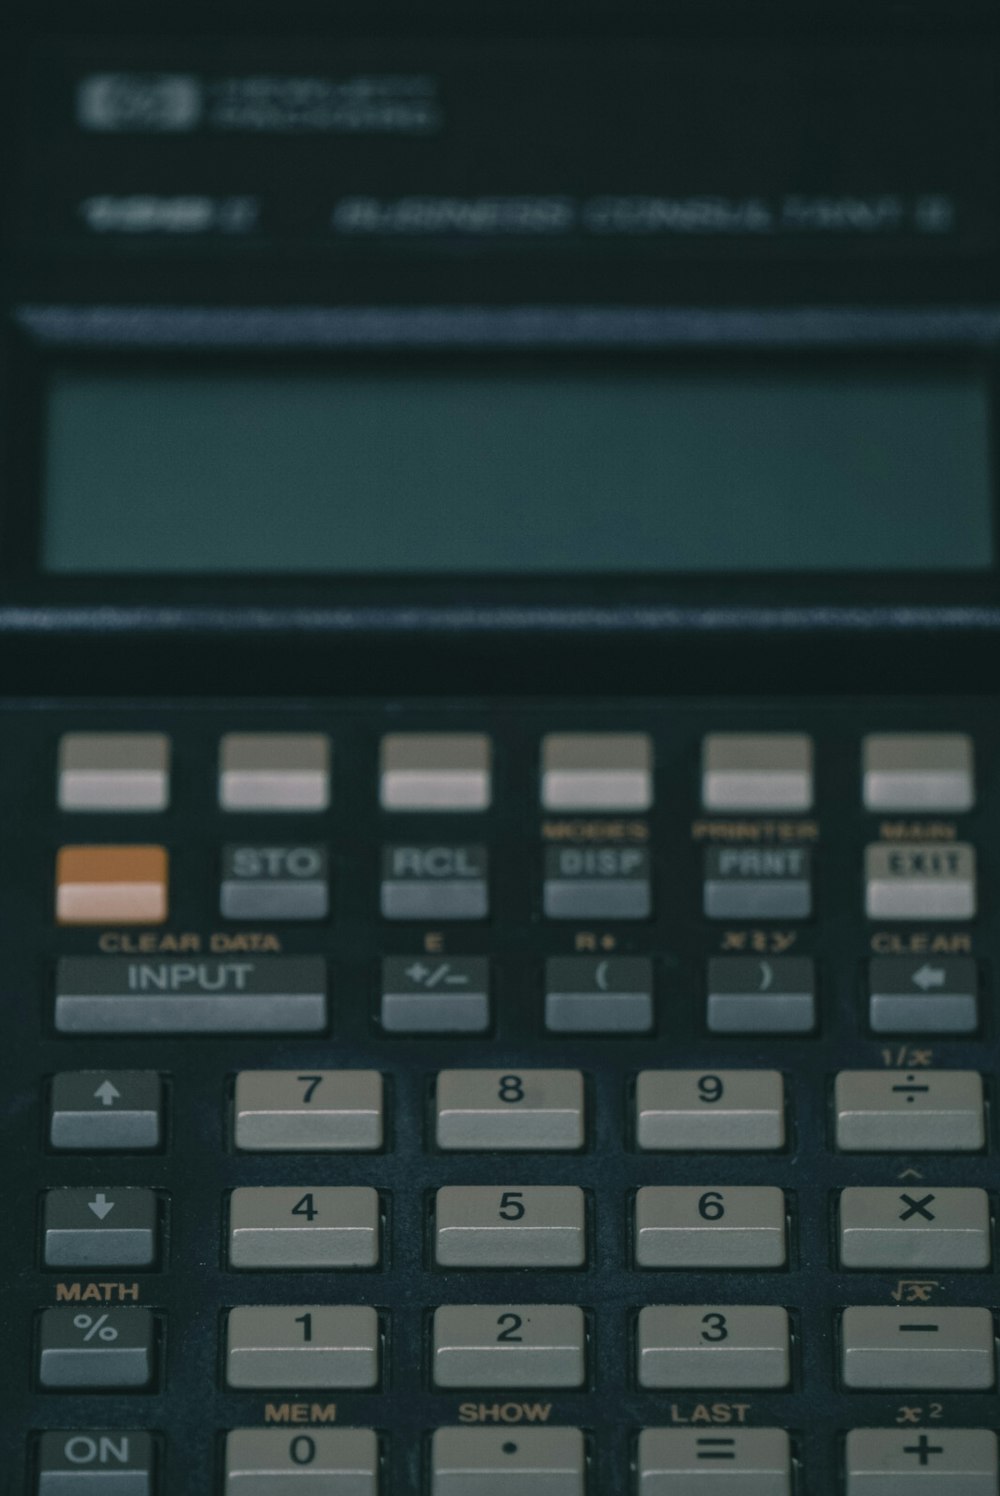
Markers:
point(111, 885)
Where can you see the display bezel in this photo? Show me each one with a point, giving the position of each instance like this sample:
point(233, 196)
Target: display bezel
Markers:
point(34, 357)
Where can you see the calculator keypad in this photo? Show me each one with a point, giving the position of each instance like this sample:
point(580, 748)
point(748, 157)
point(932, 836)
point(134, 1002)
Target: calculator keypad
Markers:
point(603, 1107)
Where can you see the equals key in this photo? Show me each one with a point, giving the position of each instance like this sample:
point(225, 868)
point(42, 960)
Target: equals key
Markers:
point(931, 1111)
point(749, 1462)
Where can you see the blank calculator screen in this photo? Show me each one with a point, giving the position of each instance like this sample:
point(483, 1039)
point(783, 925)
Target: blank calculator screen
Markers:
point(540, 468)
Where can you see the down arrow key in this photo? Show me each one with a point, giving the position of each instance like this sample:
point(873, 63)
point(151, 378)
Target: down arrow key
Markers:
point(101, 1228)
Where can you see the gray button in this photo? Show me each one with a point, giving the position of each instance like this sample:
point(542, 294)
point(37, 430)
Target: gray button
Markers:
point(203, 995)
point(701, 1345)
point(435, 882)
point(114, 771)
point(600, 771)
point(509, 1345)
point(758, 883)
point(510, 1226)
point(317, 1111)
point(524, 1109)
point(96, 1462)
point(920, 880)
point(302, 1462)
point(274, 882)
point(755, 772)
point(711, 1110)
point(100, 1228)
point(908, 1111)
point(937, 1461)
point(908, 771)
point(611, 881)
point(94, 1348)
point(705, 1227)
point(508, 1462)
point(715, 1462)
point(310, 1227)
point(302, 1345)
point(915, 1227)
point(773, 995)
point(434, 995)
point(923, 996)
point(274, 771)
point(926, 1349)
point(599, 995)
point(435, 771)
point(116, 1110)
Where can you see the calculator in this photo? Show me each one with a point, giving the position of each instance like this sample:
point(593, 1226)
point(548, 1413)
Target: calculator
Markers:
point(499, 603)
point(578, 1097)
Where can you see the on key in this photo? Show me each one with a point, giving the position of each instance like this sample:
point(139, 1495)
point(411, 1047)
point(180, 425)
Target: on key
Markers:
point(92, 1462)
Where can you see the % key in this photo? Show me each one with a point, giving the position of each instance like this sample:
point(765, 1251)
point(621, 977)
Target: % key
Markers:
point(84, 1351)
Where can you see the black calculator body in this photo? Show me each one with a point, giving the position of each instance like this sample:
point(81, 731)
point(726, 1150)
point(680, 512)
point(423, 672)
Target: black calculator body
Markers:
point(499, 734)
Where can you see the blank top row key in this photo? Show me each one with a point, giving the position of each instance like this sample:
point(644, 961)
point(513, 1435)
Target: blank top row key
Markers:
point(750, 772)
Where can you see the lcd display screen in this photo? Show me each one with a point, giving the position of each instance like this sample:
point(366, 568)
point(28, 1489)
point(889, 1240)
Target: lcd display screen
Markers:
point(508, 469)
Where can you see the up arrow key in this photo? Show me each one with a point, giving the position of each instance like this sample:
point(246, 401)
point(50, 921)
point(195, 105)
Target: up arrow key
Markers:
point(101, 1206)
point(107, 1094)
point(929, 976)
